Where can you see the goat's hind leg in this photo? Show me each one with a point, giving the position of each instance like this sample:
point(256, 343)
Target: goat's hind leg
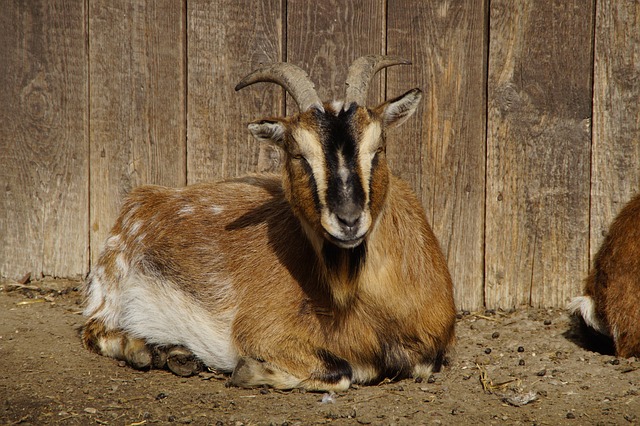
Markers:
point(136, 352)
point(118, 344)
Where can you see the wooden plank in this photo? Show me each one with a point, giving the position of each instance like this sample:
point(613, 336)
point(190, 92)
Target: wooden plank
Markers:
point(616, 117)
point(226, 41)
point(43, 139)
point(324, 37)
point(442, 151)
point(539, 109)
point(137, 98)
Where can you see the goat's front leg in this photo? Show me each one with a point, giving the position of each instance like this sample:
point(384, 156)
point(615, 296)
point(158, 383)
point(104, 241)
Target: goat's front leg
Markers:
point(323, 371)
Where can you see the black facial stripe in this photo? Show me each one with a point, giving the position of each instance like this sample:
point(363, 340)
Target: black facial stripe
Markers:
point(312, 183)
point(374, 166)
point(338, 140)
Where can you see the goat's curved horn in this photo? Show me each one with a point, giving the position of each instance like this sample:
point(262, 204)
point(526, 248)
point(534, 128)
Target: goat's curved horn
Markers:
point(294, 80)
point(360, 73)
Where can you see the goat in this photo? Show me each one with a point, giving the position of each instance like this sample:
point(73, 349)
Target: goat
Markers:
point(322, 277)
point(611, 302)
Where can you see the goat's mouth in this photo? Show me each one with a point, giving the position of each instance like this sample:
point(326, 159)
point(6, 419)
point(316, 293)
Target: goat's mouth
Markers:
point(346, 243)
point(346, 234)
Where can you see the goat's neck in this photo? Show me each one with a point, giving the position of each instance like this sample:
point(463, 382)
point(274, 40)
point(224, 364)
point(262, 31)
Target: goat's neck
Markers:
point(342, 270)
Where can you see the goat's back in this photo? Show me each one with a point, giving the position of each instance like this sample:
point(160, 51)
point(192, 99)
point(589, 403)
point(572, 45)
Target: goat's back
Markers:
point(614, 282)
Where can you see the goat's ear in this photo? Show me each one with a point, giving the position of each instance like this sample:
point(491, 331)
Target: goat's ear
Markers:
point(271, 131)
point(398, 110)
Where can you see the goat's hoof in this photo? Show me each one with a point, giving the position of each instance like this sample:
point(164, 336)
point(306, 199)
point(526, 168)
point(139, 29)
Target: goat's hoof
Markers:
point(137, 354)
point(182, 362)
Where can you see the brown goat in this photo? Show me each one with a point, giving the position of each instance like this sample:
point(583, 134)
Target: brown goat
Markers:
point(324, 276)
point(611, 301)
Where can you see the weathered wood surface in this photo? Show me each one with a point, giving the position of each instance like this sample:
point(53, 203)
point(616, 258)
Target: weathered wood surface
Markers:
point(442, 150)
point(43, 139)
point(616, 116)
point(226, 42)
point(96, 101)
point(137, 105)
point(323, 38)
point(538, 149)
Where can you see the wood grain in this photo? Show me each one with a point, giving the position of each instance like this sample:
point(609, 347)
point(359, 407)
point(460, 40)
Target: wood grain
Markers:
point(324, 37)
point(227, 40)
point(137, 104)
point(538, 151)
point(616, 115)
point(43, 139)
point(442, 150)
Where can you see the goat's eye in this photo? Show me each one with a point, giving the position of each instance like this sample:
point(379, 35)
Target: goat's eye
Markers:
point(297, 156)
point(380, 149)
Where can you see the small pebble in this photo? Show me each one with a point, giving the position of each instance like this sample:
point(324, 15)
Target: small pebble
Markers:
point(570, 415)
point(495, 335)
point(90, 410)
point(541, 373)
point(547, 322)
point(487, 351)
point(431, 379)
point(418, 380)
point(615, 361)
point(520, 348)
point(521, 362)
point(160, 396)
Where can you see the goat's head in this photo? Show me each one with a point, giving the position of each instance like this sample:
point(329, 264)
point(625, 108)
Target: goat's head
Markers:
point(335, 172)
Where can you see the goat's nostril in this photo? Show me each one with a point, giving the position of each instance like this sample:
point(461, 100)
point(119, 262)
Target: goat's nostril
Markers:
point(348, 220)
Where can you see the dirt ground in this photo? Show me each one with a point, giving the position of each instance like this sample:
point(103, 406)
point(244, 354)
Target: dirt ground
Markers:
point(524, 367)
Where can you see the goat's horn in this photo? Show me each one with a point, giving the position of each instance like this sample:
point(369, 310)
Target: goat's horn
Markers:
point(292, 78)
point(360, 73)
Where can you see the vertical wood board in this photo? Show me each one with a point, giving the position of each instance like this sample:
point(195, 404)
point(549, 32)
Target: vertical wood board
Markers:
point(226, 41)
point(441, 151)
point(616, 116)
point(539, 109)
point(137, 132)
point(323, 38)
point(43, 139)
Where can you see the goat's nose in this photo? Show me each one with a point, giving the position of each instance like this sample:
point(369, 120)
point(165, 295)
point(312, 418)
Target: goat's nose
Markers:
point(348, 219)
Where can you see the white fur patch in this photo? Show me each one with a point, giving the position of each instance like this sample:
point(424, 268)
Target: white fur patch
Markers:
point(113, 242)
point(135, 227)
point(336, 106)
point(111, 347)
point(312, 151)
point(122, 265)
point(154, 310)
point(216, 209)
point(186, 210)
point(368, 146)
point(363, 374)
point(94, 291)
point(422, 370)
point(585, 307)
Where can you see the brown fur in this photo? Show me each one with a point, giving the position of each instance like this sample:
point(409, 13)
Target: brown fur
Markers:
point(614, 282)
point(302, 312)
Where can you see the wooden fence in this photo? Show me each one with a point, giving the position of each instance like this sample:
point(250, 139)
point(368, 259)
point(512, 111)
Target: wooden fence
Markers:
point(526, 146)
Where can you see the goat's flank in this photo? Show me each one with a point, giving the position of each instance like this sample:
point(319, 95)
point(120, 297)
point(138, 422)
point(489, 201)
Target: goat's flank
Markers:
point(610, 305)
